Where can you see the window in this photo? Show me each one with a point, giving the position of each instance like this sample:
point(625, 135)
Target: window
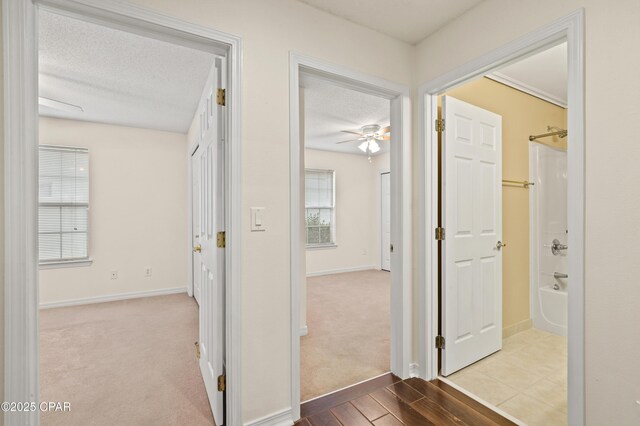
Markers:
point(64, 204)
point(319, 207)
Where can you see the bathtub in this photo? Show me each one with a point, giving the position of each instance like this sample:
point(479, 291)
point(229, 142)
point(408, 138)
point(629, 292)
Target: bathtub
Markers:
point(548, 222)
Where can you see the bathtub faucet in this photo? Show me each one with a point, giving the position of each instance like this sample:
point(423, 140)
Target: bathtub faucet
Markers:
point(556, 247)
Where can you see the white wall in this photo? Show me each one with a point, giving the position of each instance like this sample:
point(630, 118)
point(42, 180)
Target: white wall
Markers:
point(270, 29)
point(138, 210)
point(357, 212)
point(612, 172)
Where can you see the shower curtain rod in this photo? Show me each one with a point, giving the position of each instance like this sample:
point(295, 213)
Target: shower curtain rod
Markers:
point(524, 183)
point(561, 133)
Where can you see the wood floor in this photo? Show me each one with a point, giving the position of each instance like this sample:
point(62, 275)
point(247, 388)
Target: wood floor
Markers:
point(390, 401)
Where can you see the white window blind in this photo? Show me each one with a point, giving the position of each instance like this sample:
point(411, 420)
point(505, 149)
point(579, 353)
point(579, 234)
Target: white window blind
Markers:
point(320, 207)
point(64, 203)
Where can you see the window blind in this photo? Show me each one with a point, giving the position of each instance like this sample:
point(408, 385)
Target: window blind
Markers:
point(319, 207)
point(64, 203)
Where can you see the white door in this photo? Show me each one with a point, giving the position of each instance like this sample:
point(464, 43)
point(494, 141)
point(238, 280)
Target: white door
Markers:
point(195, 223)
point(472, 218)
point(385, 220)
point(211, 257)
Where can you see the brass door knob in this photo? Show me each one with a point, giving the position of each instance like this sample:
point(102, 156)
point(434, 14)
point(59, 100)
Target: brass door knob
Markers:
point(198, 248)
point(500, 244)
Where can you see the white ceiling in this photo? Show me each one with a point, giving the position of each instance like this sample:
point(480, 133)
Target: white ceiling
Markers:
point(329, 109)
point(543, 74)
point(118, 77)
point(407, 20)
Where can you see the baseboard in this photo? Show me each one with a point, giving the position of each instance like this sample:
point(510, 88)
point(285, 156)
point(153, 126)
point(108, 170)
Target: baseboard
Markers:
point(517, 328)
point(304, 330)
point(280, 418)
point(341, 270)
point(113, 297)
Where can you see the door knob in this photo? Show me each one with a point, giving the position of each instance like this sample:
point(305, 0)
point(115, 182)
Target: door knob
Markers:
point(500, 244)
point(198, 248)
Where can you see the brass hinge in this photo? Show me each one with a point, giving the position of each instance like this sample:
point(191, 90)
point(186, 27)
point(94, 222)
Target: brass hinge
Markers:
point(439, 342)
point(222, 383)
point(221, 240)
point(197, 350)
point(221, 97)
point(440, 125)
point(440, 233)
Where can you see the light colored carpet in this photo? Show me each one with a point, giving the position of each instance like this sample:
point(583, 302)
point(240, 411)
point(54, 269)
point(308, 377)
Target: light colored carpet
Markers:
point(130, 362)
point(349, 327)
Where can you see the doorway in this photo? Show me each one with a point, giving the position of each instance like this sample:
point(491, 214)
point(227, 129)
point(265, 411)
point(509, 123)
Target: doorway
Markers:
point(564, 30)
point(22, 212)
point(400, 329)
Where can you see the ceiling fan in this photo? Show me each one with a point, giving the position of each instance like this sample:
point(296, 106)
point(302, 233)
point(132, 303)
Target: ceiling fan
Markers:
point(369, 137)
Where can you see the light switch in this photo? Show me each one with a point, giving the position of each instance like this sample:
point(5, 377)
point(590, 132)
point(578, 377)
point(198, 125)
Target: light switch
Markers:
point(257, 219)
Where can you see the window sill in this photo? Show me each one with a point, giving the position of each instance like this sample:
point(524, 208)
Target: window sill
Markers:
point(322, 247)
point(66, 264)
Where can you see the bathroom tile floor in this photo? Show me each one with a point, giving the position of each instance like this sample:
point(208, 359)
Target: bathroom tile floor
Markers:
point(527, 378)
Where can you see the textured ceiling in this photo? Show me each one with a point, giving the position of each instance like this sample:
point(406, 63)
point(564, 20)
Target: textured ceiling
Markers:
point(118, 77)
point(545, 73)
point(407, 20)
point(329, 109)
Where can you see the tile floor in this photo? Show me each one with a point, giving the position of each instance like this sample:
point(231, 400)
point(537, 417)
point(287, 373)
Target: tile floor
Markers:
point(527, 378)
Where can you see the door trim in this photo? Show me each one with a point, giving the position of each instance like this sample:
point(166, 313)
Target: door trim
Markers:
point(571, 29)
point(21, 180)
point(401, 282)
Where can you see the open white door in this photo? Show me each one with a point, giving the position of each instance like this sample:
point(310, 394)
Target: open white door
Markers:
point(385, 221)
point(472, 218)
point(211, 259)
point(195, 223)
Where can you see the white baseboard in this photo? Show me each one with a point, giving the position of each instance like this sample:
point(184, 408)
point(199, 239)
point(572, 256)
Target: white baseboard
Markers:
point(304, 330)
point(517, 328)
point(113, 297)
point(341, 270)
point(280, 418)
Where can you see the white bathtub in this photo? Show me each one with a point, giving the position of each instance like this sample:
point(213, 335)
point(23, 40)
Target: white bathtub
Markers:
point(548, 221)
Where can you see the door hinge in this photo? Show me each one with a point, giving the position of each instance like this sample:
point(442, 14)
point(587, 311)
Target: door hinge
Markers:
point(440, 125)
point(222, 383)
point(221, 240)
point(440, 233)
point(221, 97)
point(391, 248)
point(197, 350)
point(439, 342)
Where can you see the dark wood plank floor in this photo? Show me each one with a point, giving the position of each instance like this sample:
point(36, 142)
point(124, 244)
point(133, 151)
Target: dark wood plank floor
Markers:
point(389, 401)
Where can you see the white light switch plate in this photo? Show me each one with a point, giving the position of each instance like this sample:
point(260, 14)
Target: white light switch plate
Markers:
point(257, 219)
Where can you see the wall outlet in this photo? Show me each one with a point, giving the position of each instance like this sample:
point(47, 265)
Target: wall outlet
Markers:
point(147, 271)
point(114, 275)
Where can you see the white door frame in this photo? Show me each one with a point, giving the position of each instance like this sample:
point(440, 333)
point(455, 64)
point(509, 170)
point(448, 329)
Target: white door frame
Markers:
point(194, 144)
point(399, 96)
point(571, 29)
point(21, 179)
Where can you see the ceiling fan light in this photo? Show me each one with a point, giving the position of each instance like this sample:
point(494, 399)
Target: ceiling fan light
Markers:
point(363, 146)
point(374, 147)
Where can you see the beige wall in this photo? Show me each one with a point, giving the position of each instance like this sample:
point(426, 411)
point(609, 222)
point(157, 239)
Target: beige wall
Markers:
point(138, 210)
point(612, 201)
point(357, 211)
point(522, 115)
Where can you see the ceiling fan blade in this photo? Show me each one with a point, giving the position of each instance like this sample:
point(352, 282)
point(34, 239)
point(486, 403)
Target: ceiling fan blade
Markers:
point(384, 130)
point(351, 131)
point(350, 140)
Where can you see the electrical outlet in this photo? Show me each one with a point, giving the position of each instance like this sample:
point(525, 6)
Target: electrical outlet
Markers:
point(147, 271)
point(114, 275)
